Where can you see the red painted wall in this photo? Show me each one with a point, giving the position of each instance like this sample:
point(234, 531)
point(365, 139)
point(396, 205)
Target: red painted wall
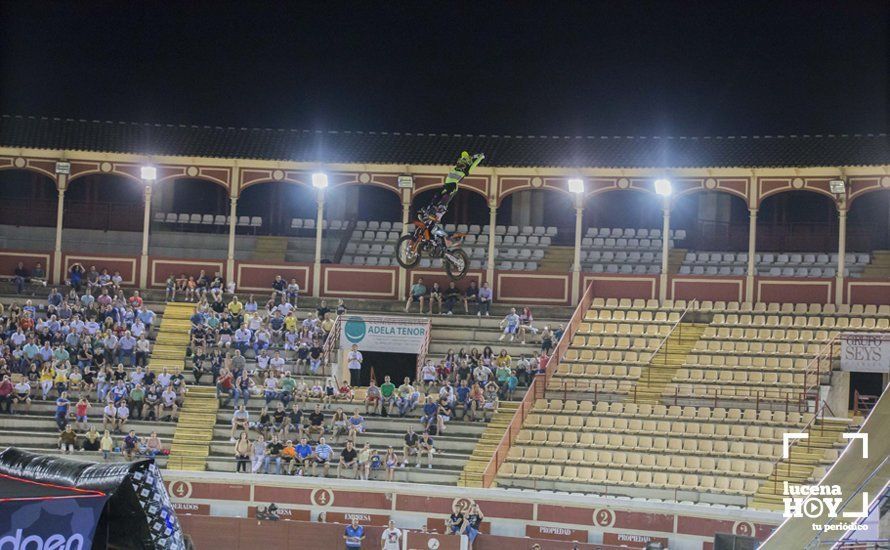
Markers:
point(788, 289)
point(690, 287)
point(622, 286)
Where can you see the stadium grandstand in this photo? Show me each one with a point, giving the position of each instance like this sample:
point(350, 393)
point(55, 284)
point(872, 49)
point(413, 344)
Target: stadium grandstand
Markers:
point(644, 353)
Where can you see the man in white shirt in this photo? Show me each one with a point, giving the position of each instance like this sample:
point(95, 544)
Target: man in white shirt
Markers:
point(391, 539)
point(277, 363)
point(354, 362)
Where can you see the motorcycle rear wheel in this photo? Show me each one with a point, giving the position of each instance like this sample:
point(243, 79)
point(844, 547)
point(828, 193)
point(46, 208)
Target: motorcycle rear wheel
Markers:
point(407, 248)
point(457, 271)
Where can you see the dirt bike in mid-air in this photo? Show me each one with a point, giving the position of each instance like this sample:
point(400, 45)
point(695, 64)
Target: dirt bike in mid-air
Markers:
point(429, 239)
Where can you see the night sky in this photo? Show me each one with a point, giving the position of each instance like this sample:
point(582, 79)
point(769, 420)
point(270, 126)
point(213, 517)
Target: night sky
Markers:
point(567, 68)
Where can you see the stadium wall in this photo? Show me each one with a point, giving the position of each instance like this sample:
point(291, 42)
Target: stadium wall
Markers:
point(514, 287)
point(508, 513)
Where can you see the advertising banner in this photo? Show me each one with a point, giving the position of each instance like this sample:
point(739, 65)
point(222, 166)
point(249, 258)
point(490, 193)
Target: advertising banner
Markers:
point(65, 523)
point(386, 334)
point(865, 352)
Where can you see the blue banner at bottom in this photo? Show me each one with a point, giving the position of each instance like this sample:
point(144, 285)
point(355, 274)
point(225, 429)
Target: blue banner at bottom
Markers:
point(53, 523)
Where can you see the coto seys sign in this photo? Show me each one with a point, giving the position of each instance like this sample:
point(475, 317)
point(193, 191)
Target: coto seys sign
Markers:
point(386, 334)
point(865, 352)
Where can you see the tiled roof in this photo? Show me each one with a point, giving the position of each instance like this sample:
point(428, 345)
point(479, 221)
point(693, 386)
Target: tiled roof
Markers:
point(442, 149)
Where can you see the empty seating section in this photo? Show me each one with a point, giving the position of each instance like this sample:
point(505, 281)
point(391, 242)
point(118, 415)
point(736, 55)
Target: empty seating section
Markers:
point(617, 250)
point(615, 446)
point(372, 243)
point(588, 434)
point(761, 351)
point(788, 264)
point(517, 248)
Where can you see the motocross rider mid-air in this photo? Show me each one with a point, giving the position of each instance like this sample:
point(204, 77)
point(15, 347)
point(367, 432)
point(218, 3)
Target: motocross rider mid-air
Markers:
point(432, 214)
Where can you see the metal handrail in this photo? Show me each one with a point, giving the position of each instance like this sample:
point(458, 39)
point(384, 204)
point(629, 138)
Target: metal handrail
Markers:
point(424, 348)
point(536, 389)
point(667, 337)
point(881, 496)
point(331, 343)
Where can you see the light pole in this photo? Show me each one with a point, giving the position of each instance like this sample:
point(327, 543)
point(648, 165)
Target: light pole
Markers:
point(149, 175)
point(664, 188)
point(320, 183)
point(576, 187)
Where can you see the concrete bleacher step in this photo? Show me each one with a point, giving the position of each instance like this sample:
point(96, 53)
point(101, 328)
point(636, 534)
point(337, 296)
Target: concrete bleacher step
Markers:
point(270, 247)
point(664, 364)
point(557, 258)
point(824, 434)
point(879, 266)
point(173, 338)
point(194, 429)
point(487, 445)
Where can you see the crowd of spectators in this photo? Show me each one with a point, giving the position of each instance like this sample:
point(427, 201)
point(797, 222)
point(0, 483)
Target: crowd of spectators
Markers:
point(478, 298)
point(88, 342)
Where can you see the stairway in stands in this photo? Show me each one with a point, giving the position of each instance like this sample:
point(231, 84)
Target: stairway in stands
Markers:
point(487, 445)
point(270, 248)
point(557, 259)
point(194, 430)
point(676, 257)
point(879, 267)
point(799, 467)
point(173, 338)
point(664, 364)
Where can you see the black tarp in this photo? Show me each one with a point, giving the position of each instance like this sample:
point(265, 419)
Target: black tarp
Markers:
point(137, 515)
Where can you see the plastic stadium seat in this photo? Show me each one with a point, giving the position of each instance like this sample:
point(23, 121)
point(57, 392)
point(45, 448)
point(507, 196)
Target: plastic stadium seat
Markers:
point(207, 219)
point(500, 230)
point(309, 223)
point(336, 225)
point(256, 221)
point(219, 219)
point(244, 221)
point(550, 231)
point(397, 227)
point(159, 217)
point(171, 217)
point(183, 218)
point(474, 229)
point(373, 225)
point(195, 218)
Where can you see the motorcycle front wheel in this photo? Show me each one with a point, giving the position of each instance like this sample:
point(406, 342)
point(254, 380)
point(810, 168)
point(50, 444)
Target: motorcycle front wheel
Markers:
point(407, 253)
point(457, 267)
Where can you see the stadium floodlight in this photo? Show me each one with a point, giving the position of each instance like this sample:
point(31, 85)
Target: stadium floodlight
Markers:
point(576, 185)
point(838, 186)
point(406, 182)
point(663, 187)
point(319, 180)
point(149, 173)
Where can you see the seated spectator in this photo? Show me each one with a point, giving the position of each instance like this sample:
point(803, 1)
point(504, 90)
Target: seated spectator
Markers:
point(81, 412)
point(288, 455)
point(316, 422)
point(344, 392)
point(546, 339)
point(450, 298)
point(484, 299)
point(20, 276)
point(257, 454)
point(322, 454)
point(170, 293)
point(356, 425)
point(364, 462)
point(153, 445)
point(428, 375)
point(264, 422)
point(411, 445)
point(407, 397)
point(21, 397)
point(417, 295)
point(273, 455)
point(67, 439)
point(435, 297)
point(425, 446)
point(169, 405)
point(240, 421)
point(391, 461)
point(525, 324)
point(92, 440)
point(7, 389)
point(304, 455)
point(338, 424)
point(510, 324)
point(372, 399)
point(131, 445)
point(348, 460)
